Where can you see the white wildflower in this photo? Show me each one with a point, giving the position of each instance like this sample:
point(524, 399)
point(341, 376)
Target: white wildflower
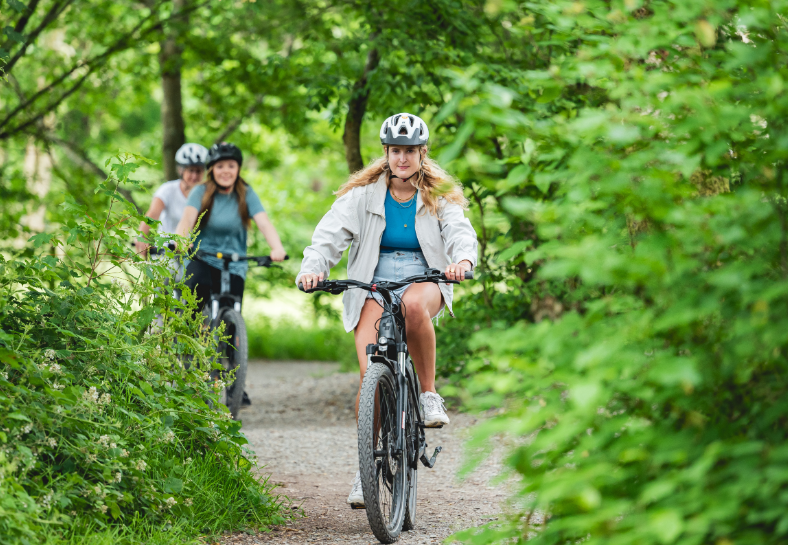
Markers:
point(55, 368)
point(759, 121)
point(91, 395)
point(91, 458)
point(102, 508)
point(4, 375)
point(27, 429)
point(118, 477)
point(141, 465)
point(52, 442)
point(57, 386)
point(104, 440)
point(168, 436)
point(113, 445)
point(104, 399)
point(170, 502)
point(188, 460)
point(124, 453)
point(49, 353)
point(187, 502)
point(46, 500)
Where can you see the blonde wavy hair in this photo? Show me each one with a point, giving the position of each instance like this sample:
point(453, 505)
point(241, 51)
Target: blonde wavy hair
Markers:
point(431, 180)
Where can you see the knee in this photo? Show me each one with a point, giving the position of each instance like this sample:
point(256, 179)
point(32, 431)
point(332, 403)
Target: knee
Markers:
point(415, 310)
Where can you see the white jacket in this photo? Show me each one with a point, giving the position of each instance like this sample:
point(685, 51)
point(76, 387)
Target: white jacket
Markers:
point(358, 218)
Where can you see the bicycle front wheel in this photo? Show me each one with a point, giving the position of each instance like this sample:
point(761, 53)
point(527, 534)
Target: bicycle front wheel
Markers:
point(382, 468)
point(414, 440)
point(234, 357)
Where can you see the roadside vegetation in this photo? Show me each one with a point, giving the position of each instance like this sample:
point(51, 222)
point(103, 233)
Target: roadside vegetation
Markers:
point(105, 436)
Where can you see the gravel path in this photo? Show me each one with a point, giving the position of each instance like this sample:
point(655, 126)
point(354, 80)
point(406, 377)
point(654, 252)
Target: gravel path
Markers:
point(302, 427)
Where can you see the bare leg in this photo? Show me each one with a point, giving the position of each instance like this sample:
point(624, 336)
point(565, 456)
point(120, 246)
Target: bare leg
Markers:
point(365, 334)
point(422, 302)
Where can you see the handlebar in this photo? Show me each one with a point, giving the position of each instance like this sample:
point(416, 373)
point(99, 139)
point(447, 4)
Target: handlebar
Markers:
point(338, 286)
point(153, 250)
point(261, 260)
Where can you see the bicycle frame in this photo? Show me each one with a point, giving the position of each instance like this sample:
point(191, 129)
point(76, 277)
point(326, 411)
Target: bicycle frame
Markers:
point(391, 349)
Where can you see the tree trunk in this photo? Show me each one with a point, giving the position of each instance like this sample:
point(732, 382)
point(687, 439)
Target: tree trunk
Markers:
point(355, 114)
point(170, 61)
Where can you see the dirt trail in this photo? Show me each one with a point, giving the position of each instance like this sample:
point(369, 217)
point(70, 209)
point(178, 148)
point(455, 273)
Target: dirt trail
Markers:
point(302, 427)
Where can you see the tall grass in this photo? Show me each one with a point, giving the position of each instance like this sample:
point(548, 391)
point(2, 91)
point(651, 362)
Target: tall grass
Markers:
point(286, 340)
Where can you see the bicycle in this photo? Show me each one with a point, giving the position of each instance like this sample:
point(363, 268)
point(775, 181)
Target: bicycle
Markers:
point(391, 438)
point(233, 352)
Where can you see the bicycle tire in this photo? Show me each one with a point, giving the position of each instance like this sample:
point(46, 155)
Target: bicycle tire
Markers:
point(412, 477)
point(237, 354)
point(382, 476)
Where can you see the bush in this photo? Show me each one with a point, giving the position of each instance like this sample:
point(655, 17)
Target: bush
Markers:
point(641, 171)
point(101, 426)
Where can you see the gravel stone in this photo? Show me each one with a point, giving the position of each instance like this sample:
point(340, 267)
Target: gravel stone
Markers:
point(302, 427)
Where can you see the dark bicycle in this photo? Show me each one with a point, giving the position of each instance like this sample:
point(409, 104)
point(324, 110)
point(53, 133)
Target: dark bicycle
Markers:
point(225, 308)
point(391, 439)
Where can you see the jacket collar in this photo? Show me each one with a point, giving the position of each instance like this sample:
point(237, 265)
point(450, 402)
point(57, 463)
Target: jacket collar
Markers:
point(377, 203)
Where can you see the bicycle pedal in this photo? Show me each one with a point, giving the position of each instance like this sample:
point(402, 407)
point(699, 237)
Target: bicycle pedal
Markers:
point(422, 426)
point(357, 506)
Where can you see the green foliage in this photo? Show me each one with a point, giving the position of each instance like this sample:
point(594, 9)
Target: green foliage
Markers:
point(636, 183)
point(290, 341)
point(101, 423)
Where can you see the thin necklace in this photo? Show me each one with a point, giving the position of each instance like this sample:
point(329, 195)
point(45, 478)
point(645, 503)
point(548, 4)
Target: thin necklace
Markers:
point(410, 201)
point(402, 200)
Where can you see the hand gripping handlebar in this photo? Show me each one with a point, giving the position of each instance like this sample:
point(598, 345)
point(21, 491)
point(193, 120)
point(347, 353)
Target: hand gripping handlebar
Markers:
point(338, 286)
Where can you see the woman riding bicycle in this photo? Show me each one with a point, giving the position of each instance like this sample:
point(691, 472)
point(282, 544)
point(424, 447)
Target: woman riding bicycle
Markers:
point(228, 204)
point(403, 213)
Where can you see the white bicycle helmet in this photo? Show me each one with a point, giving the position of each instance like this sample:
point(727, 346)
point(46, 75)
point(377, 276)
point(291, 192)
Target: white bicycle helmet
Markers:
point(404, 130)
point(191, 155)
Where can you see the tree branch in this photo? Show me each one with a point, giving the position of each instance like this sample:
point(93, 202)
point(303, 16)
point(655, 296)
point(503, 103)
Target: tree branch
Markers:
point(53, 14)
point(357, 106)
point(94, 63)
point(22, 23)
point(235, 123)
point(80, 157)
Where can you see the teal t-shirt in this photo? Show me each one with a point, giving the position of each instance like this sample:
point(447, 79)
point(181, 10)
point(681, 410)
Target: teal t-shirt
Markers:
point(224, 232)
point(400, 231)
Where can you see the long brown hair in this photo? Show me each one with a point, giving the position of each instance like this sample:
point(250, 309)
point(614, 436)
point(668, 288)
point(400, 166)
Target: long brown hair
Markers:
point(431, 180)
point(211, 187)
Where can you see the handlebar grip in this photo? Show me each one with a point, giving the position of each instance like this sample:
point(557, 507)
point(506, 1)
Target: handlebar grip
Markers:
point(468, 275)
point(320, 284)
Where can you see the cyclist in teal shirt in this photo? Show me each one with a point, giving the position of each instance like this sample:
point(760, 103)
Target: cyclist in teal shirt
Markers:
point(227, 205)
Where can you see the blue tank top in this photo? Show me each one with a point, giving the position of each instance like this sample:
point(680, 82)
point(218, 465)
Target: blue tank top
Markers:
point(400, 231)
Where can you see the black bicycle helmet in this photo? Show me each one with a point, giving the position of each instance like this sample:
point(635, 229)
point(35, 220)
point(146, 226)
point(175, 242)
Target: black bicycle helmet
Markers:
point(224, 150)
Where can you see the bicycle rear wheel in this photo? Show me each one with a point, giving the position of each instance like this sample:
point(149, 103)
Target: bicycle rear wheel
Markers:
point(382, 469)
point(234, 356)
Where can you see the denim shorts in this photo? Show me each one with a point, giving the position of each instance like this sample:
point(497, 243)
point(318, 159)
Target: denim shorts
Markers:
point(398, 265)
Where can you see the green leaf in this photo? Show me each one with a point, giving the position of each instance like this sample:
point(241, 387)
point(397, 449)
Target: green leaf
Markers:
point(40, 239)
point(18, 6)
point(173, 485)
point(515, 249)
point(14, 35)
point(122, 171)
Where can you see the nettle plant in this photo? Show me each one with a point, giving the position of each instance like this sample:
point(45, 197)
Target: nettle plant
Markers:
point(100, 418)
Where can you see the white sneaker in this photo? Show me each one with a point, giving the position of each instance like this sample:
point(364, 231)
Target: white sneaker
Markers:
point(356, 498)
point(433, 410)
